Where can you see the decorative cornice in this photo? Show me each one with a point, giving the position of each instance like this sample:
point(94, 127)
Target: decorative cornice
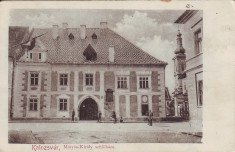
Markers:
point(186, 16)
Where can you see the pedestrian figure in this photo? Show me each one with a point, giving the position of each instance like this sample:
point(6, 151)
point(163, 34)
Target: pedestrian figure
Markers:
point(121, 120)
point(73, 114)
point(99, 116)
point(114, 117)
point(147, 114)
point(150, 118)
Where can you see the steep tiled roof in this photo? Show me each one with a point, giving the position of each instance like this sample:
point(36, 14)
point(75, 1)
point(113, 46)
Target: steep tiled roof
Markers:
point(17, 35)
point(66, 50)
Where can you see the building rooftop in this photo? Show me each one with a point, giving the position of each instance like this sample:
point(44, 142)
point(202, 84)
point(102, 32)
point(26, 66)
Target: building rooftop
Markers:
point(69, 47)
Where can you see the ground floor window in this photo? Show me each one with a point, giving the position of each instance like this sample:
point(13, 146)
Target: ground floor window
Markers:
point(63, 104)
point(33, 104)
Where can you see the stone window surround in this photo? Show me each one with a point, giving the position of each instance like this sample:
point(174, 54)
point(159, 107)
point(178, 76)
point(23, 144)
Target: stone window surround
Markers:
point(196, 51)
point(39, 80)
point(89, 79)
point(122, 74)
point(122, 80)
point(145, 82)
point(63, 112)
point(33, 113)
point(68, 81)
point(144, 74)
point(65, 74)
point(33, 103)
point(63, 109)
point(84, 79)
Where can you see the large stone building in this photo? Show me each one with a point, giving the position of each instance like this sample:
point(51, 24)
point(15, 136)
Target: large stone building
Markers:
point(86, 70)
point(189, 69)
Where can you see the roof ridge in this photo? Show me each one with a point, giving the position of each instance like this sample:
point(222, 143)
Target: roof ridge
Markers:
point(137, 47)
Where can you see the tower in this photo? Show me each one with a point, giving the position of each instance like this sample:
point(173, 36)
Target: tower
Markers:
point(179, 63)
point(179, 74)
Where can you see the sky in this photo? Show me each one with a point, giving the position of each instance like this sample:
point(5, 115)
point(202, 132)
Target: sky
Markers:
point(153, 31)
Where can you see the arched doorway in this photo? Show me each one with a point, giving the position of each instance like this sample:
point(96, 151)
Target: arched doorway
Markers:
point(88, 110)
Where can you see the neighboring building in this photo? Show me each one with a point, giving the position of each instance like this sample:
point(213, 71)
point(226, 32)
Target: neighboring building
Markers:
point(190, 70)
point(169, 105)
point(17, 35)
point(88, 70)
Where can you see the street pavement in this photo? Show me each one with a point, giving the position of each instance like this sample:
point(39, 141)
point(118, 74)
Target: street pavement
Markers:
point(92, 132)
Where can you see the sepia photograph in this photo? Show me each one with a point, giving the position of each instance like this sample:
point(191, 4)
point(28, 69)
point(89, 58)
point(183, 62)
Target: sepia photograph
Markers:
point(120, 76)
point(105, 76)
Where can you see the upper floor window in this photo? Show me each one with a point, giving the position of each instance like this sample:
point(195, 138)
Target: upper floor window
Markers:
point(89, 79)
point(63, 79)
point(63, 104)
point(34, 79)
point(122, 82)
point(198, 41)
point(33, 104)
point(31, 55)
point(200, 93)
point(144, 82)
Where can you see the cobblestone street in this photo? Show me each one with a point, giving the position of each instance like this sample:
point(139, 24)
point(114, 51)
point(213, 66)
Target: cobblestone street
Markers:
point(91, 132)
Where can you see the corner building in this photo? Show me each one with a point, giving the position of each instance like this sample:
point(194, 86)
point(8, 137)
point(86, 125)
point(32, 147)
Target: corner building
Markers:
point(192, 76)
point(87, 70)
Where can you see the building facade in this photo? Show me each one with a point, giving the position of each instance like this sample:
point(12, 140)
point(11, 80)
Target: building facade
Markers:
point(88, 70)
point(191, 77)
point(17, 35)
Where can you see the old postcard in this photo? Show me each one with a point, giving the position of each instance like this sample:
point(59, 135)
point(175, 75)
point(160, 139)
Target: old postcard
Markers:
point(118, 76)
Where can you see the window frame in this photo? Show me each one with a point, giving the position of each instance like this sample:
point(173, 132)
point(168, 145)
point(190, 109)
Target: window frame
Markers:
point(122, 82)
point(89, 81)
point(63, 104)
point(63, 79)
point(198, 41)
point(34, 79)
point(144, 84)
point(33, 102)
point(200, 93)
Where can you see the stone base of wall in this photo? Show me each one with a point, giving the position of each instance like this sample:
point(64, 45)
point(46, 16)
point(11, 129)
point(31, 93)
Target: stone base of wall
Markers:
point(23, 119)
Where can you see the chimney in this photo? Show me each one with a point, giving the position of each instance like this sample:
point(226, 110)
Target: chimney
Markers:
point(83, 31)
point(103, 25)
point(65, 29)
point(111, 53)
point(65, 25)
point(55, 31)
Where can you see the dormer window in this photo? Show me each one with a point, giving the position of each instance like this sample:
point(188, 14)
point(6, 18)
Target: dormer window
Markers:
point(90, 53)
point(94, 36)
point(71, 37)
